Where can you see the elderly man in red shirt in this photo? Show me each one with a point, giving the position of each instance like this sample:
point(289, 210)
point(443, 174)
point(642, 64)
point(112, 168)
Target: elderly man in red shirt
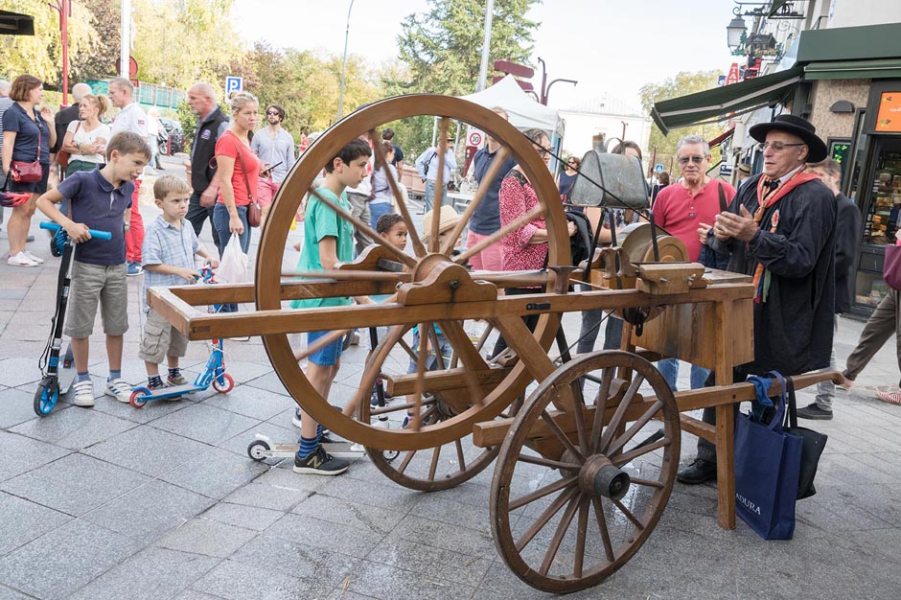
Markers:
point(682, 209)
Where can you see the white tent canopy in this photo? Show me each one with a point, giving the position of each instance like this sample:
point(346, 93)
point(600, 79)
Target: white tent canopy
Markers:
point(523, 111)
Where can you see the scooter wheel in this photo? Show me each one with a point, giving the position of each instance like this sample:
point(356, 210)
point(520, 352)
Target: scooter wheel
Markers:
point(257, 450)
point(390, 455)
point(224, 383)
point(45, 397)
point(138, 397)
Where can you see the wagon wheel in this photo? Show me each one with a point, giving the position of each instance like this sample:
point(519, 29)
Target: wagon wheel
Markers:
point(607, 475)
point(436, 468)
point(490, 395)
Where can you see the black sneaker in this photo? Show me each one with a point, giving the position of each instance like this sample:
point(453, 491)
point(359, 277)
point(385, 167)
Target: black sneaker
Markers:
point(814, 412)
point(697, 472)
point(320, 463)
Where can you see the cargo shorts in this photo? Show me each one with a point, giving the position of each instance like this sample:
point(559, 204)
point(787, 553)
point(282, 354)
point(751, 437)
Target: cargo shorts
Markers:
point(160, 340)
point(105, 285)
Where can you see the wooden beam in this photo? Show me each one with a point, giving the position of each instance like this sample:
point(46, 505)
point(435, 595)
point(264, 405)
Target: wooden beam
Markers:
point(439, 381)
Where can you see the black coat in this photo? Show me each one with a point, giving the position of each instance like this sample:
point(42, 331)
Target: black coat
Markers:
point(793, 327)
point(847, 235)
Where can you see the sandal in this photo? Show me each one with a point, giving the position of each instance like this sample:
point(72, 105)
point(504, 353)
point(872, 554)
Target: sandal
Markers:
point(890, 397)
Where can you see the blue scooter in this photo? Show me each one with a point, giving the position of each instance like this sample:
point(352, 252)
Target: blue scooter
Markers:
point(47, 394)
point(213, 374)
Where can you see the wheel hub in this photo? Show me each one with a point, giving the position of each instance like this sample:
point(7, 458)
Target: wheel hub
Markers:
point(600, 477)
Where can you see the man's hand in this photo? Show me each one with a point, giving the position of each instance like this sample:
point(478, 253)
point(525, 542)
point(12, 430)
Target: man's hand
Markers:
point(703, 229)
point(741, 227)
point(571, 228)
point(79, 232)
point(213, 262)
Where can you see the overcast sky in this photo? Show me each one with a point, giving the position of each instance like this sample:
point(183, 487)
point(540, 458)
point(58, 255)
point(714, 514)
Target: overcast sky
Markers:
point(610, 46)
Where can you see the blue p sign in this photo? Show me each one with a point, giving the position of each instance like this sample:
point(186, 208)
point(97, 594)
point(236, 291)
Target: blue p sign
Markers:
point(233, 84)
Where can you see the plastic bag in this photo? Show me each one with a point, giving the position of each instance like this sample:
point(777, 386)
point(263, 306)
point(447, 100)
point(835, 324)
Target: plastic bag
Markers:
point(233, 266)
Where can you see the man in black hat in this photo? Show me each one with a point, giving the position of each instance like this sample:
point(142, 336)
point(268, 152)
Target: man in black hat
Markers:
point(780, 229)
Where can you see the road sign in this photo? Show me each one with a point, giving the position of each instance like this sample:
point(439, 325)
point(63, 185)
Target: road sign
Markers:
point(475, 138)
point(525, 85)
point(721, 81)
point(732, 77)
point(659, 168)
point(726, 170)
point(233, 84)
point(511, 68)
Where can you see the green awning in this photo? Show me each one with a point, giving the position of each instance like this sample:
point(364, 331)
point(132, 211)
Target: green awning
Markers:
point(719, 102)
point(871, 42)
point(854, 69)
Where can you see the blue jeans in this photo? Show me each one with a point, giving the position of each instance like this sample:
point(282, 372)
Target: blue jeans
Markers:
point(376, 210)
point(430, 194)
point(669, 368)
point(220, 223)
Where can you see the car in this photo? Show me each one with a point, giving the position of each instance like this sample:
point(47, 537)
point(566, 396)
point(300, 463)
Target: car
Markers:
point(172, 140)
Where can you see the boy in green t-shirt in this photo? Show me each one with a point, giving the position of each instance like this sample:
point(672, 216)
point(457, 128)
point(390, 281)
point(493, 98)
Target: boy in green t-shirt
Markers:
point(328, 240)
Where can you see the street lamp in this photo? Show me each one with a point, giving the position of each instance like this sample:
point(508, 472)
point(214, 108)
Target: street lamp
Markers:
point(735, 32)
point(344, 64)
point(64, 7)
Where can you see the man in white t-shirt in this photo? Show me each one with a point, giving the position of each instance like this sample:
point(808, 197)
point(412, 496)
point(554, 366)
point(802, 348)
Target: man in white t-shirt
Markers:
point(130, 117)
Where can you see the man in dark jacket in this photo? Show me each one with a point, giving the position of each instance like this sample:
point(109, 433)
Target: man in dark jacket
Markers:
point(847, 235)
point(781, 229)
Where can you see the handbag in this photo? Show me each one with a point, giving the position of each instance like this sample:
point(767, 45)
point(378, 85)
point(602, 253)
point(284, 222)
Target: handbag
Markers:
point(28, 172)
point(891, 269)
point(63, 156)
point(812, 445)
point(767, 468)
point(254, 212)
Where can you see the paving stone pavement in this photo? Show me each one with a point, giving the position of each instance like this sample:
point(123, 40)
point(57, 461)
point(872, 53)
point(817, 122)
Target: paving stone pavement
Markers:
point(163, 503)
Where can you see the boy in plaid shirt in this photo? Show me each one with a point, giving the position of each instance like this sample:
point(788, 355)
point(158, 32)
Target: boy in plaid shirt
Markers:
point(168, 259)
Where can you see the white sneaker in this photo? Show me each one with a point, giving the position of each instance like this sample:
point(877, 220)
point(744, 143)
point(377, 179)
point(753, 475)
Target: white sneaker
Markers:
point(20, 260)
point(84, 393)
point(34, 258)
point(119, 389)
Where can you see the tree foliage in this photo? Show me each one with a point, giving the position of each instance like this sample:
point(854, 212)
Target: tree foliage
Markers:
point(682, 84)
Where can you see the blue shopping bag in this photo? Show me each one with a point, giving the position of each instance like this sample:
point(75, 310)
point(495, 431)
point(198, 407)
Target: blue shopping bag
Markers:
point(767, 468)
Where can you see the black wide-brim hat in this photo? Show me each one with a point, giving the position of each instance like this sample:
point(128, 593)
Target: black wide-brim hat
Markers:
point(796, 126)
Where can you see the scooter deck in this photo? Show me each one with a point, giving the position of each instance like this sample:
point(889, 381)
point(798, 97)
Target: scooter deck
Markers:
point(172, 392)
point(338, 449)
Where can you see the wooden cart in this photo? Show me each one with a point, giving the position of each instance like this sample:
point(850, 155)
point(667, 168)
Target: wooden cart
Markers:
point(596, 442)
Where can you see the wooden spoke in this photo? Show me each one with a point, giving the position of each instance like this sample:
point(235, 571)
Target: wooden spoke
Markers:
point(438, 200)
point(406, 347)
point(574, 392)
point(646, 482)
point(406, 461)
point(322, 342)
point(487, 180)
point(622, 508)
point(418, 248)
point(617, 419)
point(552, 425)
point(545, 516)
point(581, 532)
point(384, 410)
point(546, 462)
point(600, 405)
point(460, 458)
point(562, 526)
point(500, 234)
point(427, 416)
point(366, 230)
point(542, 492)
point(633, 429)
point(434, 466)
point(364, 390)
point(598, 506)
point(433, 338)
point(469, 356)
point(627, 457)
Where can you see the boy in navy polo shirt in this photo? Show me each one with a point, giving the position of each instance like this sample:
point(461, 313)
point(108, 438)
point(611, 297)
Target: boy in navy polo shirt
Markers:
point(99, 200)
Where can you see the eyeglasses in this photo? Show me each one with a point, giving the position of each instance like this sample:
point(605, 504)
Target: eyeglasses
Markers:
point(684, 160)
point(272, 113)
point(777, 146)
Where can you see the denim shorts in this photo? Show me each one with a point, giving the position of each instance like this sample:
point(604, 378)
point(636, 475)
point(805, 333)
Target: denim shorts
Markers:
point(329, 354)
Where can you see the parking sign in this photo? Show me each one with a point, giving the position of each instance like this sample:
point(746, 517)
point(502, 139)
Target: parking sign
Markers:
point(233, 84)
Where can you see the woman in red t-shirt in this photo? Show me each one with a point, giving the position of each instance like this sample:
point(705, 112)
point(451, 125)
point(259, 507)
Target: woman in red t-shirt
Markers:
point(233, 156)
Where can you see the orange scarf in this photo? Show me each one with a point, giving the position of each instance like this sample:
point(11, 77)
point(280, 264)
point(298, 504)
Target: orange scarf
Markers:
point(765, 200)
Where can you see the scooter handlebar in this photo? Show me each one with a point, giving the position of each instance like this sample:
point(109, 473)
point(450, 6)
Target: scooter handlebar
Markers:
point(100, 235)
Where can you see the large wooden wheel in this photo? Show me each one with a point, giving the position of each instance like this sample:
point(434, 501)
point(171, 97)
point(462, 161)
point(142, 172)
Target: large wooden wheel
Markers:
point(569, 509)
point(432, 282)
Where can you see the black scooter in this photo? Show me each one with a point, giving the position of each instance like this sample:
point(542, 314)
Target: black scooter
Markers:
point(47, 394)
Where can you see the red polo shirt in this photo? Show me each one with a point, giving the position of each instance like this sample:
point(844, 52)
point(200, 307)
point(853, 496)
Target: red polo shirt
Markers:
point(680, 213)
